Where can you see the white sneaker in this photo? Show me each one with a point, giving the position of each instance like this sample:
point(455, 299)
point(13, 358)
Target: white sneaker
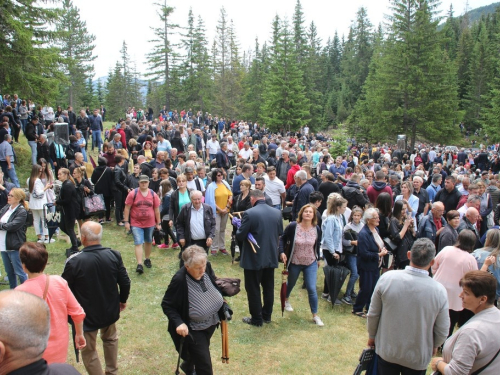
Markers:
point(288, 307)
point(40, 240)
point(318, 321)
point(52, 240)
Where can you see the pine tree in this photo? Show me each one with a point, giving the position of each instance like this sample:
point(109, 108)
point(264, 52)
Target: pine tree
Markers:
point(284, 100)
point(77, 49)
point(160, 59)
point(29, 63)
point(481, 74)
point(221, 62)
point(411, 88)
point(253, 86)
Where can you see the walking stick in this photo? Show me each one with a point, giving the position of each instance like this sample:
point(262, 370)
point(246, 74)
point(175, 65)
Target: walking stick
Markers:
point(225, 348)
point(179, 359)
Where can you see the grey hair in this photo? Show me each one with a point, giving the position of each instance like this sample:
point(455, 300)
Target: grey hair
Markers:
point(194, 192)
point(473, 198)
point(223, 144)
point(255, 193)
point(423, 252)
point(436, 177)
point(89, 234)
point(364, 181)
point(369, 214)
point(194, 255)
point(417, 176)
point(24, 323)
point(302, 175)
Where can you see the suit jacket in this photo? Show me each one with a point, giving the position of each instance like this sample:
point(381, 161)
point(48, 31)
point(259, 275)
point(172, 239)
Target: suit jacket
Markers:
point(222, 160)
point(183, 222)
point(266, 233)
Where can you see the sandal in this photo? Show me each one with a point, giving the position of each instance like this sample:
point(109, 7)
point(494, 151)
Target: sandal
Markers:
point(361, 314)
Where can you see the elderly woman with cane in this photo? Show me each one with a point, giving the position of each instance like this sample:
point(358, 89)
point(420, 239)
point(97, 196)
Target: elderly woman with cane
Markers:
point(194, 306)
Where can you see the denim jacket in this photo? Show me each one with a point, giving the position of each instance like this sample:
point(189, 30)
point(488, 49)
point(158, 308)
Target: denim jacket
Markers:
point(332, 234)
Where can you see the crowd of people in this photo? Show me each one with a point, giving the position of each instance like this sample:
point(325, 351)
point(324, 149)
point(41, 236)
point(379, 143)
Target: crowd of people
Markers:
point(389, 214)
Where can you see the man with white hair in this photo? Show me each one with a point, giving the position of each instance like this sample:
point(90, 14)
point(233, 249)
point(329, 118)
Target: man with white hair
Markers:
point(304, 190)
point(24, 333)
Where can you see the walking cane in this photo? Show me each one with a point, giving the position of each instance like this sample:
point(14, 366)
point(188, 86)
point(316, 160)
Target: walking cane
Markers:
point(179, 359)
point(225, 347)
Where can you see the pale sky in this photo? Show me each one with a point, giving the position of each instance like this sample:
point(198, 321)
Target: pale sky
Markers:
point(113, 21)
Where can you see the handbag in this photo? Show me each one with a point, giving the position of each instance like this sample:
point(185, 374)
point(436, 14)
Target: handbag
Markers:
point(391, 245)
point(94, 205)
point(367, 362)
point(350, 235)
point(228, 286)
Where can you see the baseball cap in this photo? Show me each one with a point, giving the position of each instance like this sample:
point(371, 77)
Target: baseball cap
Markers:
point(143, 178)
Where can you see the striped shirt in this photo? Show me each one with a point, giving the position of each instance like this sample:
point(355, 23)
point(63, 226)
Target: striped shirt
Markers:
point(205, 302)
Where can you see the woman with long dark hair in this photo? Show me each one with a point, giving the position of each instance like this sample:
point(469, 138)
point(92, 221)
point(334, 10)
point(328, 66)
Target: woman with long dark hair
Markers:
point(68, 203)
point(384, 206)
point(402, 232)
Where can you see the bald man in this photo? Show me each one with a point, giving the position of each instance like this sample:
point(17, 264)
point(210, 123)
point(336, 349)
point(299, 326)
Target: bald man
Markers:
point(468, 221)
point(24, 333)
point(100, 283)
point(432, 225)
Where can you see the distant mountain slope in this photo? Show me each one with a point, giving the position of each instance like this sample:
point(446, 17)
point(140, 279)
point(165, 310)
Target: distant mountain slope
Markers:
point(475, 14)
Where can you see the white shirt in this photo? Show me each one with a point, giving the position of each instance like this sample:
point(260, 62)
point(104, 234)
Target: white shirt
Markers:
point(245, 154)
point(197, 224)
point(274, 189)
point(3, 233)
point(191, 185)
point(306, 130)
point(213, 147)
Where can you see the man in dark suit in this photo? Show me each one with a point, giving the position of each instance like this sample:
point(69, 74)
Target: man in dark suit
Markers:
point(259, 266)
point(222, 159)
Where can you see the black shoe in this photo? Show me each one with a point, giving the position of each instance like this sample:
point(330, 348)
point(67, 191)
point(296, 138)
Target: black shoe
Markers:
point(249, 321)
point(237, 259)
point(147, 262)
point(139, 269)
point(354, 295)
point(267, 321)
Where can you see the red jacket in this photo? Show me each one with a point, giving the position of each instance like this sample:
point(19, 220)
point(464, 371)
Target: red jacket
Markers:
point(123, 140)
point(376, 189)
point(291, 173)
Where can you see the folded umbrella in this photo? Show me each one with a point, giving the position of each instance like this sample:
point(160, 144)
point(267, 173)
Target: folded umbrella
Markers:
point(284, 280)
point(251, 239)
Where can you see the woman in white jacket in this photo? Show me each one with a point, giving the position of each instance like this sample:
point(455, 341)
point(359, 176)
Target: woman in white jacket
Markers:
point(37, 200)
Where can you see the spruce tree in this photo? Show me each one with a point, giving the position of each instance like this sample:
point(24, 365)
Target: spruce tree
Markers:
point(160, 59)
point(284, 101)
point(77, 50)
point(412, 86)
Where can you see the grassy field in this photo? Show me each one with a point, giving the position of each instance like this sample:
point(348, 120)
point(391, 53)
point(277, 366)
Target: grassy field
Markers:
point(292, 344)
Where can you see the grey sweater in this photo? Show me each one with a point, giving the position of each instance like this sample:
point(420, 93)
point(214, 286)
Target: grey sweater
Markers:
point(408, 317)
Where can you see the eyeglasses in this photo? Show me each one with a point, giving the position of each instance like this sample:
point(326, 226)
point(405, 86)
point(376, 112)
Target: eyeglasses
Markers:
point(219, 175)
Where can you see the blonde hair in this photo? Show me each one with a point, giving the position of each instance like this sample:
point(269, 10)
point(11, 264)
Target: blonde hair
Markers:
point(334, 203)
point(20, 195)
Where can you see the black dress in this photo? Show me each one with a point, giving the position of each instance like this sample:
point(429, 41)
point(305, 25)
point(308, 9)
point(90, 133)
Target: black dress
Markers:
point(404, 244)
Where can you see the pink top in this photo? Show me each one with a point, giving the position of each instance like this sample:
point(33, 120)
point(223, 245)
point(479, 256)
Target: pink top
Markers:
point(450, 265)
point(61, 303)
point(142, 210)
point(303, 251)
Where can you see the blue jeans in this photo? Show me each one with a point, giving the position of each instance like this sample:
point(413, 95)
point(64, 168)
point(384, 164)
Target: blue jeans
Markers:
point(34, 152)
point(96, 139)
point(211, 157)
point(277, 206)
point(13, 267)
point(351, 263)
point(24, 122)
point(310, 275)
point(11, 173)
point(142, 235)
